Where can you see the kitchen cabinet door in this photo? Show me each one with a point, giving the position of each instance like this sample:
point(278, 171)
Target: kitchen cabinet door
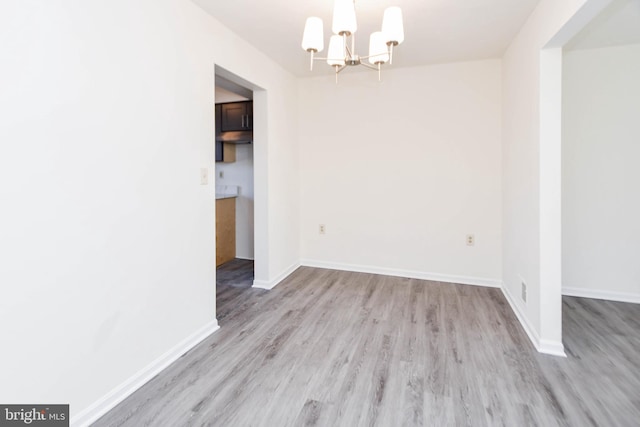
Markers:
point(237, 116)
point(225, 230)
point(218, 119)
point(225, 153)
point(219, 152)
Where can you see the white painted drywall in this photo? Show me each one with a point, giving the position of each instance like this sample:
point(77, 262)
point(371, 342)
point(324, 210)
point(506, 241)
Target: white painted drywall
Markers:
point(525, 224)
point(401, 171)
point(601, 178)
point(107, 246)
point(240, 174)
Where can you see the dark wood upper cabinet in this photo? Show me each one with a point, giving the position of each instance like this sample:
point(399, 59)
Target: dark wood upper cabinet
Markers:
point(218, 120)
point(219, 152)
point(236, 116)
point(224, 152)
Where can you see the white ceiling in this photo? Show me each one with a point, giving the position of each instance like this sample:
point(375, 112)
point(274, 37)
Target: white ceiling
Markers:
point(436, 31)
point(618, 24)
point(224, 95)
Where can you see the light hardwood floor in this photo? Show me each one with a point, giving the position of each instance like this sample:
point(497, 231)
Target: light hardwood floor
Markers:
point(333, 348)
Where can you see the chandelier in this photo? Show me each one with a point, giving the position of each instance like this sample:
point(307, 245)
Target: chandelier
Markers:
point(342, 44)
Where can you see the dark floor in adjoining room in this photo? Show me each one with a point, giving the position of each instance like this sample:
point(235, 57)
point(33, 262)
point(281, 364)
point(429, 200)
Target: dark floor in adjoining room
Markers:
point(332, 348)
point(233, 280)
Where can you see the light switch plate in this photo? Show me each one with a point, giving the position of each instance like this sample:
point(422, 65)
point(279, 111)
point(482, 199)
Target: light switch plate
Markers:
point(204, 176)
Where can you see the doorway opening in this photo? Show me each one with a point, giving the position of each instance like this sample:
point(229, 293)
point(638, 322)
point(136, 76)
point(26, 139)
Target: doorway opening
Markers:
point(557, 159)
point(235, 193)
point(600, 177)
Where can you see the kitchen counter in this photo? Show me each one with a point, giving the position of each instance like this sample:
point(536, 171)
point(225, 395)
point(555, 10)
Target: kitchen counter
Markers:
point(225, 196)
point(226, 191)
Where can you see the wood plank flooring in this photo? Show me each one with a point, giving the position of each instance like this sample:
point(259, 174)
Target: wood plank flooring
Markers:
point(329, 348)
point(233, 283)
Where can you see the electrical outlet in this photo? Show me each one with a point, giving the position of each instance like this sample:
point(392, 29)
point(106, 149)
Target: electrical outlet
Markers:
point(221, 174)
point(204, 176)
point(322, 229)
point(523, 290)
point(471, 240)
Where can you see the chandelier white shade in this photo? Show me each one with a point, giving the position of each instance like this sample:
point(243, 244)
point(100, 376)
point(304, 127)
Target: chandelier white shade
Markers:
point(392, 26)
point(336, 56)
point(342, 49)
point(313, 38)
point(378, 53)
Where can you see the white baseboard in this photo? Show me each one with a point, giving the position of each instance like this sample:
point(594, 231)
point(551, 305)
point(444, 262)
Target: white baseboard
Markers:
point(103, 405)
point(245, 258)
point(436, 277)
point(605, 295)
point(270, 284)
point(553, 348)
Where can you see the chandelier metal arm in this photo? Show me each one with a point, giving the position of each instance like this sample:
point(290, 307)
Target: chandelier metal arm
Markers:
point(369, 66)
point(350, 51)
point(315, 58)
point(369, 56)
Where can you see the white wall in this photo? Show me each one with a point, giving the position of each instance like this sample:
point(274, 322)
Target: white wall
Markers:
point(523, 159)
point(240, 174)
point(401, 171)
point(107, 246)
point(601, 178)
